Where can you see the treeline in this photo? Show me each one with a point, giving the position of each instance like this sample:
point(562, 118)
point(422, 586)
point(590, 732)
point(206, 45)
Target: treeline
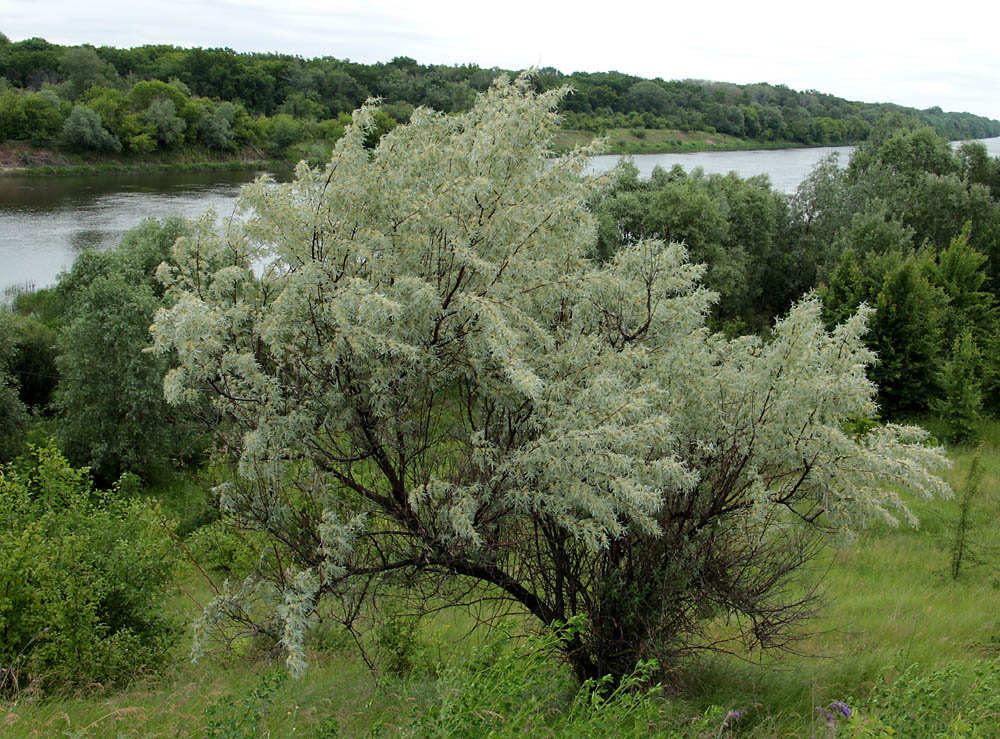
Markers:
point(75, 98)
point(760, 111)
point(160, 97)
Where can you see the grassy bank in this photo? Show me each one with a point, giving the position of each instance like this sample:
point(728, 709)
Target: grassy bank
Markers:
point(902, 645)
point(141, 168)
point(21, 159)
point(659, 141)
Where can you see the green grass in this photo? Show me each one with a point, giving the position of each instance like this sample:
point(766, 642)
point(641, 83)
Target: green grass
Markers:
point(142, 167)
point(192, 158)
point(901, 641)
point(660, 141)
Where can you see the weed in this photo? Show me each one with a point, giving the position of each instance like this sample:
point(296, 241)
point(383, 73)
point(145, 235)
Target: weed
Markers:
point(230, 717)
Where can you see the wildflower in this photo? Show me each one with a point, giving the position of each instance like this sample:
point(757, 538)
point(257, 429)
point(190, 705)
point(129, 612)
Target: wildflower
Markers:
point(842, 707)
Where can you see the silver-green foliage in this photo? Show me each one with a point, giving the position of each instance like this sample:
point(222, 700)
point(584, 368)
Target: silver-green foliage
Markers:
point(427, 378)
point(83, 130)
point(162, 116)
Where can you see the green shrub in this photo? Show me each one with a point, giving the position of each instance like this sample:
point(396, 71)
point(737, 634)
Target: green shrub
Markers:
point(33, 361)
point(220, 547)
point(110, 403)
point(403, 651)
point(956, 701)
point(243, 715)
point(13, 414)
point(45, 304)
point(84, 577)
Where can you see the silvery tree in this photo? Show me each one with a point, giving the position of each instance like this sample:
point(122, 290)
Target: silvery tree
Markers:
point(425, 387)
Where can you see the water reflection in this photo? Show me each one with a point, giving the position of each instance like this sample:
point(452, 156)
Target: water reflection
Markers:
point(87, 239)
point(46, 221)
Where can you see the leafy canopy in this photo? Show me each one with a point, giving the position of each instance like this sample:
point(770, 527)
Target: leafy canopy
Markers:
point(423, 381)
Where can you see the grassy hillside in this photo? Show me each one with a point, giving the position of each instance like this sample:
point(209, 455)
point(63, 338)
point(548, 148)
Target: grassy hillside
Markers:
point(901, 643)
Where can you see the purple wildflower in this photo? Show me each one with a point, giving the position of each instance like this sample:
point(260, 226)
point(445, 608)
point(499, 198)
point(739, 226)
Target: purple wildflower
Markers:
point(842, 707)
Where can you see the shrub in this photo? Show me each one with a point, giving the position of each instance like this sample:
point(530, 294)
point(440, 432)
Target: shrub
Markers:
point(85, 576)
point(955, 701)
point(513, 689)
point(162, 115)
point(215, 128)
point(13, 415)
point(429, 382)
point(33, 361)
point(83, 130)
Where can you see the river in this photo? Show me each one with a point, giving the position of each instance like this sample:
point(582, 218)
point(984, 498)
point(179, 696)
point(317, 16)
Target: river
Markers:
point(785, 167)
point(46, 221)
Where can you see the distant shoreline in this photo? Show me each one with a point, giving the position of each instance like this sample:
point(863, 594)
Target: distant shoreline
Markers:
point(619, 141)
point(49, 162)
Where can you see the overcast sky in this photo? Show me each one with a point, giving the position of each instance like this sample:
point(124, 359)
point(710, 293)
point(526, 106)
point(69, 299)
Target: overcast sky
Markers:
point(876, 51)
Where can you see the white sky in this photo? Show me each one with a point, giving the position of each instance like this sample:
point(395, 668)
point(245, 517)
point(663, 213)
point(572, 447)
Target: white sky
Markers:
point(911, 53)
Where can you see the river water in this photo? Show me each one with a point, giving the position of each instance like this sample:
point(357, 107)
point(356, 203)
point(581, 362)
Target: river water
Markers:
point(786, 168)
point(46, 221)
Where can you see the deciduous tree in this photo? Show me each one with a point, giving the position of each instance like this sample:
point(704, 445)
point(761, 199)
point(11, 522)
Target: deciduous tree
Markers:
point(112, 414)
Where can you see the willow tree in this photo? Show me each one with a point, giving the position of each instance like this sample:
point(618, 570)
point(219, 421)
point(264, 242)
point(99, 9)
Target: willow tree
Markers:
point(425, 387)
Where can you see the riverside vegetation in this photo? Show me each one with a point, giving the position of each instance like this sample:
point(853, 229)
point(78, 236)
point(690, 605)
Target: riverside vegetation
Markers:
point(83, 108)
point(481, 448)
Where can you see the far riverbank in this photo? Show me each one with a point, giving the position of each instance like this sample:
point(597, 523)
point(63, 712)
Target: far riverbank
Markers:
point(19, 159)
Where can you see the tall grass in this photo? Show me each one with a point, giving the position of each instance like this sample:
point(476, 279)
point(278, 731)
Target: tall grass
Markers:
point(902, 646)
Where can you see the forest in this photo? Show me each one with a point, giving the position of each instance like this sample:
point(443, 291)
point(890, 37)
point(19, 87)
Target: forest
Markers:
point(168, 103)
point(446, 439)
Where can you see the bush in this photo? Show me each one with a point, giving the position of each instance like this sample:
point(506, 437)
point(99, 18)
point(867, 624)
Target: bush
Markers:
point(83, 130)
point(33, 361)
point(431, 383)
point(216, 128)
point(162, 116)
point(13, 414)
point(516, 689)
point(85, 577)
point(956, 701)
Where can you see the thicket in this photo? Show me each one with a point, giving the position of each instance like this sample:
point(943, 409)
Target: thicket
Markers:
point(109, 403)
point(85, 576)
point(13, 413)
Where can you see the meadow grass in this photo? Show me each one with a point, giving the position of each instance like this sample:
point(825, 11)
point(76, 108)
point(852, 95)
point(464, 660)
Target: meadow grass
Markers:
point(908, 647)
